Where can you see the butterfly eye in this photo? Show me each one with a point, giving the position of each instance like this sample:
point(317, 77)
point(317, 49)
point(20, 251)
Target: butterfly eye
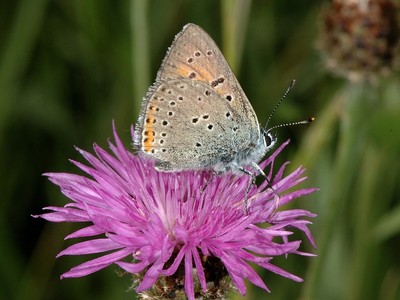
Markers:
point(270, 140)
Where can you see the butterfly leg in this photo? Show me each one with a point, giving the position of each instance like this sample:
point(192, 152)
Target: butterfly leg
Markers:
point(257, 167)
point(276, 197)
point(251, 182)
point(213, 174)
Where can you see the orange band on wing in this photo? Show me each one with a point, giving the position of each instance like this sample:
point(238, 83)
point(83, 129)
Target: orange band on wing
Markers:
point(148, 129)
point(202, 75)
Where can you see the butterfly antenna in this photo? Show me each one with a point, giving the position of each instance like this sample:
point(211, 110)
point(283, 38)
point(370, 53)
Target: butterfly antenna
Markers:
point(308, 121)
point(290, 87)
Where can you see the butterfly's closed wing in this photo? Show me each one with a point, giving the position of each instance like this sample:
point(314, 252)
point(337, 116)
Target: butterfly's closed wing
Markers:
point(219, 131)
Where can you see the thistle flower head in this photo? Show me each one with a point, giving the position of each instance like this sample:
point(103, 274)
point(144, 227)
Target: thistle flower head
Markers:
point(359, 38)
point(175, 237)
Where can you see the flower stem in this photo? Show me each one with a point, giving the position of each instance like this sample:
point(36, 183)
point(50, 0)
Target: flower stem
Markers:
point(345, 166)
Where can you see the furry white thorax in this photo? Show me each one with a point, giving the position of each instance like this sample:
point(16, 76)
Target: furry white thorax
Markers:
point(248, 157)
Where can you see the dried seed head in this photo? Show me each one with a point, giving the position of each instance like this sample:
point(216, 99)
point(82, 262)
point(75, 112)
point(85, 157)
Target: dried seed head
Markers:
point(219, 284)
point(359, 38)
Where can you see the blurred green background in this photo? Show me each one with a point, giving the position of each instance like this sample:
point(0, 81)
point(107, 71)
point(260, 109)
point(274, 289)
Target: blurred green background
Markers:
point(70, 67)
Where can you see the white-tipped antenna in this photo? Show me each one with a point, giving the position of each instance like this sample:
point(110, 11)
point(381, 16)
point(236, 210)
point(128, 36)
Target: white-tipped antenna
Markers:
point(310, 120)
point(290, 87)
point(267, 130)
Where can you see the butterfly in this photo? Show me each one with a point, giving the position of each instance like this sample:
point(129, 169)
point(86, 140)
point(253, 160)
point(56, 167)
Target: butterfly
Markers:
point(196, 115)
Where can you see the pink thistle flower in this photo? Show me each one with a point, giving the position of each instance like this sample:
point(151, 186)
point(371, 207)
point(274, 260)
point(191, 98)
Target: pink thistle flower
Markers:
point(169, 232)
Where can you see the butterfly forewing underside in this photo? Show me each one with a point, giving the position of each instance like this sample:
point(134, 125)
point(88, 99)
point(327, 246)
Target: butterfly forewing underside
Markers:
point(196, 115)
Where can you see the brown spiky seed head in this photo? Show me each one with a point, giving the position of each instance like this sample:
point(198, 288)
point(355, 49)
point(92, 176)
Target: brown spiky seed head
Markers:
point(359, 38)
